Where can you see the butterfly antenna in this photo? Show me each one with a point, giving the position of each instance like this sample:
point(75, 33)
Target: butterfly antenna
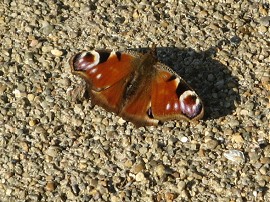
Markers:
point(153, 50)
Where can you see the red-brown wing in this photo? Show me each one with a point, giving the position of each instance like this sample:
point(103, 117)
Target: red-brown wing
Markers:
point(172, 98)
point(102, 69)
point(164, 100)
point(138, 108)
point(110, 98)
point(107, 74)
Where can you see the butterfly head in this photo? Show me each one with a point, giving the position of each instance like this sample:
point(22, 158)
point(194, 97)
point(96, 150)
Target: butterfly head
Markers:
point(191, 105)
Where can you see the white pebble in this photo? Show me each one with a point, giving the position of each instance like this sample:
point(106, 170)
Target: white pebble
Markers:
point(235, 156)
point(140, 177)
point(56, 52)
point(17, 93)
point(184, 139)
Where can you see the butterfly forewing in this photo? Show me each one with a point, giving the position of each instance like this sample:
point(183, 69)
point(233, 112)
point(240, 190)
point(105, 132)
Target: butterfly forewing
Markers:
point(107, 73)
point(102, 69)
point(172, 98)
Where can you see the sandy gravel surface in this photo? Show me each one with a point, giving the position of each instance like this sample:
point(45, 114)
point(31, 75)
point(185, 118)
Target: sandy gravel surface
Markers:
point(54, 147)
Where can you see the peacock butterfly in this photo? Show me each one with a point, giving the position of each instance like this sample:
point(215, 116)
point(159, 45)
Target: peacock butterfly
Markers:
point(136, 86)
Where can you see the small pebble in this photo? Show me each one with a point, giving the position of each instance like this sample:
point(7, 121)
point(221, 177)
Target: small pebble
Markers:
point(170, 196)
point(254, 157)
point(235, 156)
point(237, 138)
point(212, 144)
point(138, 168)
point(24, 146)
point(262, 29)
point(33, 43)
point(202, 14)
point(52, 151)
point(32, 122)
point(265, 21)
point(47, 29)
point(181, 185)
point(140, 177)
point(160, 170)
point(50, 186)
point(265, 160)
point(56, 52)
point(184, 139)
point(17, 93)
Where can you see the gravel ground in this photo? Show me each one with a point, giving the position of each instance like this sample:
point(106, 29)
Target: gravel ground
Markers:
point(54, 147)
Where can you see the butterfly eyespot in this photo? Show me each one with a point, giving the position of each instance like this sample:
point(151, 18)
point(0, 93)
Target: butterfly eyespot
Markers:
point(190, 104)
point(85, 60)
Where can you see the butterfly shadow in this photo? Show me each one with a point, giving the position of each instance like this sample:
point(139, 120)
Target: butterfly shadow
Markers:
point(211, 79)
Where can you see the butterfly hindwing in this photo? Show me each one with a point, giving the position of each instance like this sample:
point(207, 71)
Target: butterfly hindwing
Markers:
point(110, 98)
point(164, 100)
point(169, 94)
point(138, 107)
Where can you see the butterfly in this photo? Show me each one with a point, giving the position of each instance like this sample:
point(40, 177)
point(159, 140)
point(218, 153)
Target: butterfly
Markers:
point(136, 86)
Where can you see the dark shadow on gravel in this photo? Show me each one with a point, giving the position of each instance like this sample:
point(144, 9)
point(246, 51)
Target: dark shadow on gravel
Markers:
point(212, 80)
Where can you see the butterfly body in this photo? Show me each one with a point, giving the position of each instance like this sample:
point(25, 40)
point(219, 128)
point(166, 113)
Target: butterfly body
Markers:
point(136, 87)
